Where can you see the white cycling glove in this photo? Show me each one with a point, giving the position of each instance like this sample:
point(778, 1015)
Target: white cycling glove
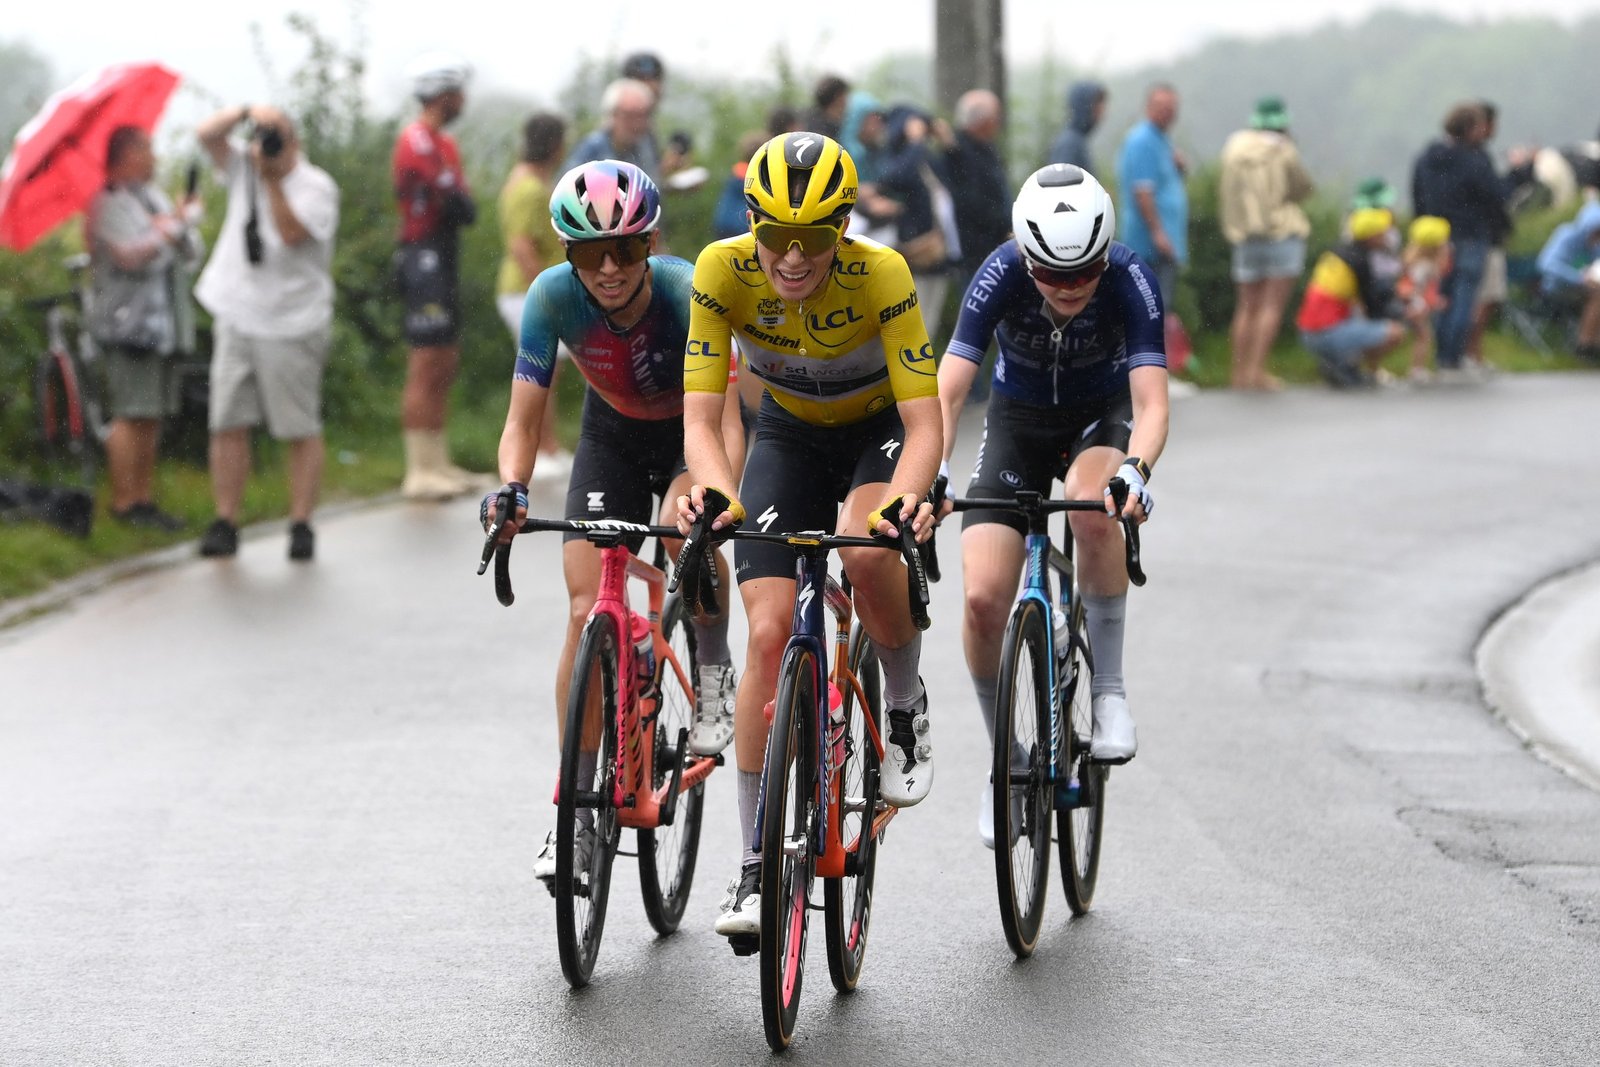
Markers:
point(1134, 472)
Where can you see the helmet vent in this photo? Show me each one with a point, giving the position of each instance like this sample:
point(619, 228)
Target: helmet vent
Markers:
point(1059, 175)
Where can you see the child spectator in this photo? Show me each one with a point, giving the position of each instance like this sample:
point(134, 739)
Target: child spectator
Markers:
point(1342, 319)
point(1425, 262)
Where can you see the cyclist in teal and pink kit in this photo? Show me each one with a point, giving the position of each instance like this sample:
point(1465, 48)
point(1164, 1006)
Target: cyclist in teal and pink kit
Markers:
point(1079, 393)
point(624, 315)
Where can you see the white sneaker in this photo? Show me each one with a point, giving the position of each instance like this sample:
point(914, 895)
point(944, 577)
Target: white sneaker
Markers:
point(741, 905)
point(713, 709)
point(1114, 739)
point(908, 756)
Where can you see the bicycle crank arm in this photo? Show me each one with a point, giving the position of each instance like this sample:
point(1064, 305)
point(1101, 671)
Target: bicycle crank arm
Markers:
point(669, 810)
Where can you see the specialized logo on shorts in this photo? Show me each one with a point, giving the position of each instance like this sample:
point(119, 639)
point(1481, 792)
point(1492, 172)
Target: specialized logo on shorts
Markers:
point(767, 518)
point(1011, 478)
point(889, 447)
point(597, 501)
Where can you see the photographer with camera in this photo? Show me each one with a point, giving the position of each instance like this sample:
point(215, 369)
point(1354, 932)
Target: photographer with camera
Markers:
point(269, 288)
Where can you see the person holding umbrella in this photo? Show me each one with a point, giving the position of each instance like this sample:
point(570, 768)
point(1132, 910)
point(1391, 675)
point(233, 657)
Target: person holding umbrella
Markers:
point(136, 240)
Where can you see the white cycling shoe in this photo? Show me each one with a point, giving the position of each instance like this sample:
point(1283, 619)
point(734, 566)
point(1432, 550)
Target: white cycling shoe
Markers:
point(1114, 739)
point(544, 864)
point(1019, 764)
point(741, 904)
point(713, 709)
point(908, 756)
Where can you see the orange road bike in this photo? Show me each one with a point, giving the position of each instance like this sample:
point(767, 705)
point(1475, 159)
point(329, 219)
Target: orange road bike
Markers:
point(632, 701)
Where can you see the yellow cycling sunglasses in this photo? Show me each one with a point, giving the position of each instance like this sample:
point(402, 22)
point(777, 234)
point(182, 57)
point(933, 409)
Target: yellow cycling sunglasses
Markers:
point(813, 238)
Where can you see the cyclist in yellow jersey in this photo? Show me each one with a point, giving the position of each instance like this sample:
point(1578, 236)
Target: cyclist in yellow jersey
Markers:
point(850, 415)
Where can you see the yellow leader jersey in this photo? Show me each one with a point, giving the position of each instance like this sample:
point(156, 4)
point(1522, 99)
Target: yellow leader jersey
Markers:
point(856, 347)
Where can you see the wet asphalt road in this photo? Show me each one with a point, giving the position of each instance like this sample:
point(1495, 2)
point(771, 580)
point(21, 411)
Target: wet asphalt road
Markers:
point(257, 813)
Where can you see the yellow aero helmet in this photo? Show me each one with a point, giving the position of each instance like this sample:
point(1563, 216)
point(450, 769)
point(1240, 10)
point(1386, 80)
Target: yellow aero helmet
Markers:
point(801, 178)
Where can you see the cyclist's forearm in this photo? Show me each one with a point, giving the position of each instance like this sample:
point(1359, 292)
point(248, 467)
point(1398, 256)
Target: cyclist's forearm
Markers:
point(704, 451)
point(956, 376)
point(923, 449)
point(519, 441)
point(1148, 389)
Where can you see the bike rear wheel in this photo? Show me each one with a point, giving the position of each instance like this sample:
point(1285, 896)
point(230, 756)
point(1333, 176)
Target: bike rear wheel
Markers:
point(667, 854)
point(1020, 776)
point(847, 901)
point(1080, 811)
point(787, 862)
point(586, 807)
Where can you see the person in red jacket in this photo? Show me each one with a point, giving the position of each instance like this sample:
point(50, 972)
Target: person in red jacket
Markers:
point(1343, 318)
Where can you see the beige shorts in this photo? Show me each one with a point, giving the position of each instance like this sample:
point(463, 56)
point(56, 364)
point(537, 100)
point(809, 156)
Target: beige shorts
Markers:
point(276, 380)
point(139, 385)
point(1493, 289)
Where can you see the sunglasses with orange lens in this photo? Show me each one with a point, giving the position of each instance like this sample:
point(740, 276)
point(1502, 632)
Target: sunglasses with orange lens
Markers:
point(624, 251)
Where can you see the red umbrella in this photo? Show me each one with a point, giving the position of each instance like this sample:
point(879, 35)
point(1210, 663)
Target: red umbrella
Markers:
point(58, 161)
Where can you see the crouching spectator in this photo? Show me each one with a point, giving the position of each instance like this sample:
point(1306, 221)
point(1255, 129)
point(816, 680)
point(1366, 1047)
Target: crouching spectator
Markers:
point(269, 287)
point(1569, 276)
point(1342, 319)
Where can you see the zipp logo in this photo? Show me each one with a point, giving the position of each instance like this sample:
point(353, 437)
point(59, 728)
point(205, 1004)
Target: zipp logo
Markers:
point(597, 501)
point(767, 518)
point(889, 447)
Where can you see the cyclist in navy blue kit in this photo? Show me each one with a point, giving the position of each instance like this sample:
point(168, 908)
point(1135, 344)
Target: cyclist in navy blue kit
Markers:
point(1079, 393)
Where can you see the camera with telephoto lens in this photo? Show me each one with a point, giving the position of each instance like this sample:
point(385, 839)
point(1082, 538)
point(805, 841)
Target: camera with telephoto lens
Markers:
point(271, 141)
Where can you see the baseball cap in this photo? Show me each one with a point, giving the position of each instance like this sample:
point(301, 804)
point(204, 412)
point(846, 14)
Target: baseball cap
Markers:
point(1270, 114)
point(643, 66)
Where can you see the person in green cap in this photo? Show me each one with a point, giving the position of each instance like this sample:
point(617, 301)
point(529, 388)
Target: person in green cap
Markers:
point(1263, 183)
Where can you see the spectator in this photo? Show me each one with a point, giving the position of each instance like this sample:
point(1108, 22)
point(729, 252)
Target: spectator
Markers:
point(1260, 189)
point(1383, 256)
point(1373, 192)
point(977, 179)
point(1342, 318)
point(828, 101)
point(862, 134)
point(1454, 180)
point(1492, 293)
point(1570, 277)
point(925, 231)
point(435, 204)
point(1425, 262)
point(531, 246)
point(137, 243)
point(728, 217)
point(1086, 103)
point(269, 288)
point(1153, 198)
point(626, 132)
point(647, 67)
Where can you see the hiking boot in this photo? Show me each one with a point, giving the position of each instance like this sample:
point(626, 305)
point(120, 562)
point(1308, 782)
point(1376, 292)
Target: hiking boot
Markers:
point(713, 710)
point(220, 539)
point(302, 542)
point(1114, 739)
point(741, 905)
point(908, 756)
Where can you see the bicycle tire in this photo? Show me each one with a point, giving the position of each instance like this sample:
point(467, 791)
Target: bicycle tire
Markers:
point(1022, 809)
point(581, 906)
point(667, 854)
point(788, 792)
point(847, 901)
point(1078, 825)
point(63, 421)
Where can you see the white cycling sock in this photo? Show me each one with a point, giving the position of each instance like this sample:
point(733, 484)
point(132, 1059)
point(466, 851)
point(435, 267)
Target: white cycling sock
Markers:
point(901, 686)
point(1104, 616)
point(749, 801)
point(985, 688)
point(587, 762)
point(711, 641)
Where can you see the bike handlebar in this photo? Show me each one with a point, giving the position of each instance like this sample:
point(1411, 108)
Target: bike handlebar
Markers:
point(1033, 504)
point(703, 579)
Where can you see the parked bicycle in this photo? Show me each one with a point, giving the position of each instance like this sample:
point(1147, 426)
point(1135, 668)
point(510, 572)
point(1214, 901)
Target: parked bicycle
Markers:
point(1041, 763)
point(820, 813)
point(68, 380)
point(632, 699)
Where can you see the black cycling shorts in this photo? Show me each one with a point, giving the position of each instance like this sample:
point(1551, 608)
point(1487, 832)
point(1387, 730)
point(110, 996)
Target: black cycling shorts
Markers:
point(621, 465)
point(427, 276)
point(798, 474)
point(1027, 447)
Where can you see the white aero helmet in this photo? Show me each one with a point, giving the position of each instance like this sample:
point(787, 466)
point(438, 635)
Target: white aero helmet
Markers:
point(436, 73)
point(1063, 218)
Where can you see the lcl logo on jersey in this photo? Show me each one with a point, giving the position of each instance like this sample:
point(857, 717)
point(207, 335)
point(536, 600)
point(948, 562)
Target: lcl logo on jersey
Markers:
point(837, 319)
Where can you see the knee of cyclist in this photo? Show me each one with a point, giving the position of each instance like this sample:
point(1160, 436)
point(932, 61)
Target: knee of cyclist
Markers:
point(1091, 528)
point(578, 610)
point(868, 566)
point(987, 608)
point(768, 634)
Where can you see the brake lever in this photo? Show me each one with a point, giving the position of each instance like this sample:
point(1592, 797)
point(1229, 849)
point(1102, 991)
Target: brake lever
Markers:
point(1130, 532)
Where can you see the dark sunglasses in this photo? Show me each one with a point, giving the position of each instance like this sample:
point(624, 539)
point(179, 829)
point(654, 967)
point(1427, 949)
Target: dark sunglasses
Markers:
point(813, 239)
point(624, 251)
point(1067, 279)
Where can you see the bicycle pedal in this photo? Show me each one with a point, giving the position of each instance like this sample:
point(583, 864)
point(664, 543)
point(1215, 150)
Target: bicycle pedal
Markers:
point(745, 944)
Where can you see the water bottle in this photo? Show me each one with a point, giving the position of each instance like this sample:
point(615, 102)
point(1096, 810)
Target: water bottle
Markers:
point(644, 653)
point(836, 723)
point(1063, 642)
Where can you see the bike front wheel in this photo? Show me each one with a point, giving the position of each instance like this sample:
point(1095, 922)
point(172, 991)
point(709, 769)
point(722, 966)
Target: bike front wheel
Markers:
point(667, 854)
point(586, 816)
point(788, 806)
point(847, 901)
point(1020, 776)
point(1080, 811)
